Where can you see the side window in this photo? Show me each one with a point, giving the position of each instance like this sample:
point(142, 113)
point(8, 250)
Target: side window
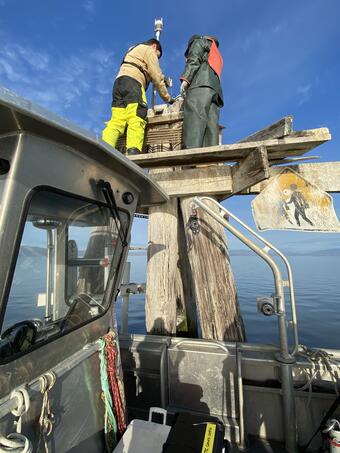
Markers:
point(69, 250)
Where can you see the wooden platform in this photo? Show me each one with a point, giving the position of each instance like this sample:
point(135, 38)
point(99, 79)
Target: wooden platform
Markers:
point(226, 170)
point(296, 144)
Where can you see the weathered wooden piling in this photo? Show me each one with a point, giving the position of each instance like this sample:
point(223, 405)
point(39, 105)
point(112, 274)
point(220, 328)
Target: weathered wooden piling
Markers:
point(190, 270)
point(212, 275)
point(162, 274)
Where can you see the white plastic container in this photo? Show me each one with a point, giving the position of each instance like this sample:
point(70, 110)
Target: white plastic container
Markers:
point(142, 437)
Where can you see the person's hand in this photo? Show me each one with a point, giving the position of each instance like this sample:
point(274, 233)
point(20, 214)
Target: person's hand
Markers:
point(184, 87)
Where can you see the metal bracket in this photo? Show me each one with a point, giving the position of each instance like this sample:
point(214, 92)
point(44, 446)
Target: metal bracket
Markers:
point(193, 222)
point(267, 305)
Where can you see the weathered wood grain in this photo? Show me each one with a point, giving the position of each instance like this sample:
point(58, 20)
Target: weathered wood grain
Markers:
point(279, 129)
point(276, 148)
point(218, 180)
point(253, 168)
point(186, 307)
point(196, 181)
point(161, 287)
point(212, 277)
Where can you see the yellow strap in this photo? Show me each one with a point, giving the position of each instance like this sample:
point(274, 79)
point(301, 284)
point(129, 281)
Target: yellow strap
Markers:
point(209, 438)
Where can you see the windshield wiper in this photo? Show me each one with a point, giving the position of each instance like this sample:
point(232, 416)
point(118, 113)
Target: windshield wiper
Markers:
point(105, 187)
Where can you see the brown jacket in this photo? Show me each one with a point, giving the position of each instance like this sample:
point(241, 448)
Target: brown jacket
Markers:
point(144, 56)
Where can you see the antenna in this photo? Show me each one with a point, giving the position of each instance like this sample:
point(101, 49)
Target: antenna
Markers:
point(158, 28)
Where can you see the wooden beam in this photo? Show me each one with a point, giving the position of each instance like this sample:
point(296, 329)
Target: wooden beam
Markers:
point(280, 129)
point(325, 175)
point(218, 180)
point(276, 148)
point(253, 168)
point(213, 180)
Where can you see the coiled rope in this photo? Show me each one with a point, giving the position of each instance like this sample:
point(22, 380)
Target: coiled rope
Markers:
point(17, 442)
point(318, 357)
point(110, 424)
point(115, 388)
point(112, 390)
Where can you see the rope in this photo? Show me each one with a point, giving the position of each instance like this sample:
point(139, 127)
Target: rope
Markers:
point(17, 442)
point(321, 358)
point(111, 364)
point(112, 390)
point(46, 418)
point(331, 424)
point(110, 424)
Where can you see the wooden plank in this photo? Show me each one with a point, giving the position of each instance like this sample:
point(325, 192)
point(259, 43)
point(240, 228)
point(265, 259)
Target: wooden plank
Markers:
point(253, 169)
point(211, 180)
point(212, 277)
point(218, 180)
point(278, 148)
point(280, 129)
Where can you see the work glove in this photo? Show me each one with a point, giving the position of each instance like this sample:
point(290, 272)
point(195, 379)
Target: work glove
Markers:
point(184, 87)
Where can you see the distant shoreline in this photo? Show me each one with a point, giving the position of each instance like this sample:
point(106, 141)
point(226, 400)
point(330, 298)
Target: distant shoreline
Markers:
point(31, 252)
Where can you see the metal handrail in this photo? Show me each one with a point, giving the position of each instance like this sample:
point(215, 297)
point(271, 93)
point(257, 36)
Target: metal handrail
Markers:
point(206, 342)
point(285, 358)
point(275, 250)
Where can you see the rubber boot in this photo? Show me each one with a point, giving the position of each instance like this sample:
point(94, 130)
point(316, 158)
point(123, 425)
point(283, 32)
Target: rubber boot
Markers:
point(132, 151)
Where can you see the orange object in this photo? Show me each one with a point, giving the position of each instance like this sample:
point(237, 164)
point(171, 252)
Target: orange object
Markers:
point(215, 59)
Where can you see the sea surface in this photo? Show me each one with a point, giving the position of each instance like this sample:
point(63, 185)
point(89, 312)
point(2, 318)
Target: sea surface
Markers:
point(317, 288)
point(317, 294)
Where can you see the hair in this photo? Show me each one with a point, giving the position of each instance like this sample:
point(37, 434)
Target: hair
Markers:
point(152, 41)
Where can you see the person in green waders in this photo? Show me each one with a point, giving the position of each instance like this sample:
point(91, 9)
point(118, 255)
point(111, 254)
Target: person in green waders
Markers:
point(202, 92)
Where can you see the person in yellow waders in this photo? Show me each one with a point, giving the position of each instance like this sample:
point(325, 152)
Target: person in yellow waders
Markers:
point(129, 106)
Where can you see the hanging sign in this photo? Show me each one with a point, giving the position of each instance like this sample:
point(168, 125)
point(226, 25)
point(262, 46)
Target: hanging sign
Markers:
point(291, 202)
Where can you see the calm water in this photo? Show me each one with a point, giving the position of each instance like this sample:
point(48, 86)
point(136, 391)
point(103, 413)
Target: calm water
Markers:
point(317, 288)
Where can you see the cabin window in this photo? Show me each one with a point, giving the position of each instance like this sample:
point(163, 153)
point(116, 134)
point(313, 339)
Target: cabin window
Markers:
point(69, 253)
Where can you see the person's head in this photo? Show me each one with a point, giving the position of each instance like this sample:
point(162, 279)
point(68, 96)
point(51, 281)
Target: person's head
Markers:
point(155, 45)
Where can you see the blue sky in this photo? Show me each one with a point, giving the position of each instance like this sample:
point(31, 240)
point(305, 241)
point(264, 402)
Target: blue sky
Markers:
point(280, 58)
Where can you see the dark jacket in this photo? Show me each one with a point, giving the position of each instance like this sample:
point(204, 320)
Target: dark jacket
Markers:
point(197, 71)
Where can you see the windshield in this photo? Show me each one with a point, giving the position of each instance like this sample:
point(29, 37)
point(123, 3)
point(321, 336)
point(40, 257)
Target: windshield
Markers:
point(69, 251)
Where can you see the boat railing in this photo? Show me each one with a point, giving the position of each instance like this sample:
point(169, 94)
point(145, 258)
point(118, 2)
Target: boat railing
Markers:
point(280, 283)
point(285, 357)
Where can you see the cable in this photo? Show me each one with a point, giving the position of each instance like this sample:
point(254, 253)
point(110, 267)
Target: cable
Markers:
point(17, 442)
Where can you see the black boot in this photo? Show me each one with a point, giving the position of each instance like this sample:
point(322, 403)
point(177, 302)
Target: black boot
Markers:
point(132, 151)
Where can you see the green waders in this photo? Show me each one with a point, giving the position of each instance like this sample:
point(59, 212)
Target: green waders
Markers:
point(201, 115)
